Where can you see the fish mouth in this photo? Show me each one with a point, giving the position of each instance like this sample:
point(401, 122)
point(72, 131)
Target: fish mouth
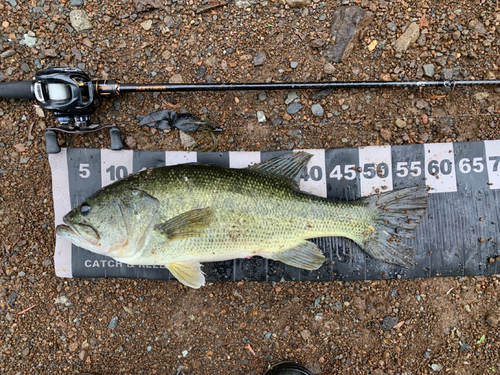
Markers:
point(80, 232)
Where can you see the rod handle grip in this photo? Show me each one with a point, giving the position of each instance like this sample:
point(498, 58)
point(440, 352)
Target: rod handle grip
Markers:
point(17, 90)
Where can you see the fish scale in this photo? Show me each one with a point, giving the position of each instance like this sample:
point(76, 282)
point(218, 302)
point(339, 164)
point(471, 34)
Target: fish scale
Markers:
point(179, 216)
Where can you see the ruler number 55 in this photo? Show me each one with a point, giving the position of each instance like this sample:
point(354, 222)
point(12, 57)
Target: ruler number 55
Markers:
point(402, 169)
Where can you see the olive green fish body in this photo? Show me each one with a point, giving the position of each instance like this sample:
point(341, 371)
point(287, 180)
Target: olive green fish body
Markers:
point(179, 216)
point(253, 214)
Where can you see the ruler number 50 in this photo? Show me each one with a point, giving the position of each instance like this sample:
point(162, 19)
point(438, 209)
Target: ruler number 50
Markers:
point(84, 170)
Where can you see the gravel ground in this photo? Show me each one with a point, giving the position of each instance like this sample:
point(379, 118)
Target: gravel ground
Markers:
point(52, 325)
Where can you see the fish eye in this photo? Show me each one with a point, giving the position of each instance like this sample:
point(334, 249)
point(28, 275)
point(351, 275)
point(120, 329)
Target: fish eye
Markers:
point(85, 209)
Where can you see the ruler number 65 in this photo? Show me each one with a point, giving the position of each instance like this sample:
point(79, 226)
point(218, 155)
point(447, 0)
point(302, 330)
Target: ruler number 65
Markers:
point(467, 165)
point(84, 170)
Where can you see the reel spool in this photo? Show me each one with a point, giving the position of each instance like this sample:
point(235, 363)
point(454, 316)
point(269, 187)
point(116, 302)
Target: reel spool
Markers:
point(71, 95)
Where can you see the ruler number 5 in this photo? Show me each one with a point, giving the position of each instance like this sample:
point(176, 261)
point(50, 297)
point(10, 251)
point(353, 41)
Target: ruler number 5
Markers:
point(84, 170)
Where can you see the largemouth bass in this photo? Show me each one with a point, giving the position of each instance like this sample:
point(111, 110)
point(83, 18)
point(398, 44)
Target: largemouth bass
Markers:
point(179, 216)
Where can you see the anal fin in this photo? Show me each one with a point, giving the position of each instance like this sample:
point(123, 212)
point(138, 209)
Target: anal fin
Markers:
point(188, 273)
point(306, 255)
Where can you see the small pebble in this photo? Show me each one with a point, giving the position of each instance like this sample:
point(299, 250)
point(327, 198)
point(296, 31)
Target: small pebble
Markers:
point(259, 59)
point(291, 97)
point(11, 298)
point(329, 68)
point(436, 367)
point(169, 21)
point(29, 41)
point(446, 74)
point(317, 110)
point(113, 323)
point(429, 70)
point(389, 322)
point(400, 123)
point(293, 108)
point(276, 119)
point(146, 25)
point(80, 20)
point(260, 116)
point(464, 347)
point(385, 134)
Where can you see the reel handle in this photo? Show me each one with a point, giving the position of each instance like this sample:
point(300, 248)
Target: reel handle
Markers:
point(17, 90)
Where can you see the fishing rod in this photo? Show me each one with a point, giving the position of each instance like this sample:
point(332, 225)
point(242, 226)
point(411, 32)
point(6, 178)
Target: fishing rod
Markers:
point(73, 97)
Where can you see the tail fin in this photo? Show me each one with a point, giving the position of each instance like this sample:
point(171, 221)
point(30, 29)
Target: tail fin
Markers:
point(397, 215)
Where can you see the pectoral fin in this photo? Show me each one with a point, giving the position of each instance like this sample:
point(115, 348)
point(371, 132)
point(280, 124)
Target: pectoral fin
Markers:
point(186, 225)
point(306, 255)
point(188, 273)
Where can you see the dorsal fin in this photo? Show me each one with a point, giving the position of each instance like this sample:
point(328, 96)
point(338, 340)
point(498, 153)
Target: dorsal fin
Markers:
point(289, 166)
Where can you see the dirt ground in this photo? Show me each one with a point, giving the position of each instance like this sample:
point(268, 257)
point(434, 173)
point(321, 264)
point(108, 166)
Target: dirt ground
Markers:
point(51, 325)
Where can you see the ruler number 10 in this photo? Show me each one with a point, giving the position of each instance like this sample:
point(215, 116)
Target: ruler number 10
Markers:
point(117, 172)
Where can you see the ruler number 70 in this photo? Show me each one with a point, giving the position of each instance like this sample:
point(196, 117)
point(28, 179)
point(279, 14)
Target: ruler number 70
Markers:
point(496, 160)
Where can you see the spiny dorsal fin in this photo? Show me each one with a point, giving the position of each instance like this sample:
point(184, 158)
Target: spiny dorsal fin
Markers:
point(186, 225)
point(289, 166)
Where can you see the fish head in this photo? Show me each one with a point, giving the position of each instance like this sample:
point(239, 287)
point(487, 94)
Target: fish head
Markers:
point(113, 222)
point(97, 224)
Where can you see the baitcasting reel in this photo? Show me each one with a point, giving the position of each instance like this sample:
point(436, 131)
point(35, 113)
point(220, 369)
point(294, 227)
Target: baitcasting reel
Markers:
point(71, 95)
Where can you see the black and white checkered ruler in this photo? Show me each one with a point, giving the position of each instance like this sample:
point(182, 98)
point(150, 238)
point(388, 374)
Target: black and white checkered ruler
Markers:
point(458, 236)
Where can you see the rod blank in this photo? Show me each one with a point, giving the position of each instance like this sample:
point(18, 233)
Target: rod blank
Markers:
point(184, 87)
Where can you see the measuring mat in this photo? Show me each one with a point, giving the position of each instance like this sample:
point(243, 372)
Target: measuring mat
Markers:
point(459, 235)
